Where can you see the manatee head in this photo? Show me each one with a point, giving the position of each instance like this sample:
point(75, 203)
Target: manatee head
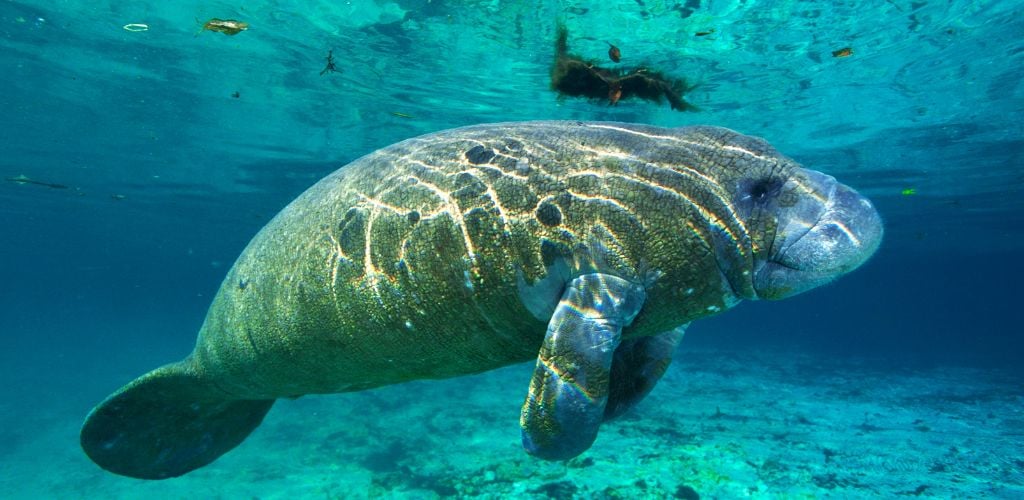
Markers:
point(803, 227)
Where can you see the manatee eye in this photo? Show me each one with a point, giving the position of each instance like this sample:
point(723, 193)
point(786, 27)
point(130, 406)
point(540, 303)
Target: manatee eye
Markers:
point(765, 188)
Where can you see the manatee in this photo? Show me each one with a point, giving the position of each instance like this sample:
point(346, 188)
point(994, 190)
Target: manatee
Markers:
point(586, 246)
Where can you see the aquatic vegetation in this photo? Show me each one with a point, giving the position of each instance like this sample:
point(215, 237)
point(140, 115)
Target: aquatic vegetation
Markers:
point(574, 76)
point(614, 53)
point(843, 52)
point(229, 27)
point(330, 67)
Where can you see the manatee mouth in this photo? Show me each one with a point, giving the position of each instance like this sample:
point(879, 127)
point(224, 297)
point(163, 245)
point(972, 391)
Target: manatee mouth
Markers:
point(824, 236)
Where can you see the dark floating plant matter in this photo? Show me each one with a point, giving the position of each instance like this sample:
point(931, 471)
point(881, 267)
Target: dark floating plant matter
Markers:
point(574, 76)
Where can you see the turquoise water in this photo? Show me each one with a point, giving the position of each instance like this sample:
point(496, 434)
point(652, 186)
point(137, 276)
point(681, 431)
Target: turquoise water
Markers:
point(158, 152)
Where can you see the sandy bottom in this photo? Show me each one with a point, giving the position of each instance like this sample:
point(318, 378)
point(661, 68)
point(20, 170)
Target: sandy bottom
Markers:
point(720, 425)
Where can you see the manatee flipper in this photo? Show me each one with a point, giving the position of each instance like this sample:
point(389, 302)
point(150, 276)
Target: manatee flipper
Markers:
point(166, 423)
point(637, 366)
point(570, 383)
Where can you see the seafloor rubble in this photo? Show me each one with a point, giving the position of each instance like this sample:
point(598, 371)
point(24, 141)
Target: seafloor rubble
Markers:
point(720, 425)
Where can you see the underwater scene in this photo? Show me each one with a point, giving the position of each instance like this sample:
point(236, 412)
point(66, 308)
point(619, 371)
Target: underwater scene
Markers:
point(508, 249)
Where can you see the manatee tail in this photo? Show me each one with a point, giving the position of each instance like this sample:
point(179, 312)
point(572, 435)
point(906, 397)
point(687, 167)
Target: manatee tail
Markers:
point(167, 423)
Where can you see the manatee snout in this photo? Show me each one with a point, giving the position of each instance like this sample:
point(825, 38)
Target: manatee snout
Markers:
point(830, 232)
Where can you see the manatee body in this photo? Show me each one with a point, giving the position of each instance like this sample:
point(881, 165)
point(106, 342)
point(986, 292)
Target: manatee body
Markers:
point(586, 246)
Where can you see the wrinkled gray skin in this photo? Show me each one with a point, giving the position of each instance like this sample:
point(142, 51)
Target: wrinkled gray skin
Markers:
point(587, 246)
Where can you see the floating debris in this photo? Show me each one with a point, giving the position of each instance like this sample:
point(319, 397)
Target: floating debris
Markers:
point(614, 94)
point(23, 179)
point(401, 115)
point(705, 32)
point(229, 27)
point(330, 68)
point(908, 192)
point(118, 197)
point(843, 52)
point(614, 53)
point(575, 77)
point(136, 27)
